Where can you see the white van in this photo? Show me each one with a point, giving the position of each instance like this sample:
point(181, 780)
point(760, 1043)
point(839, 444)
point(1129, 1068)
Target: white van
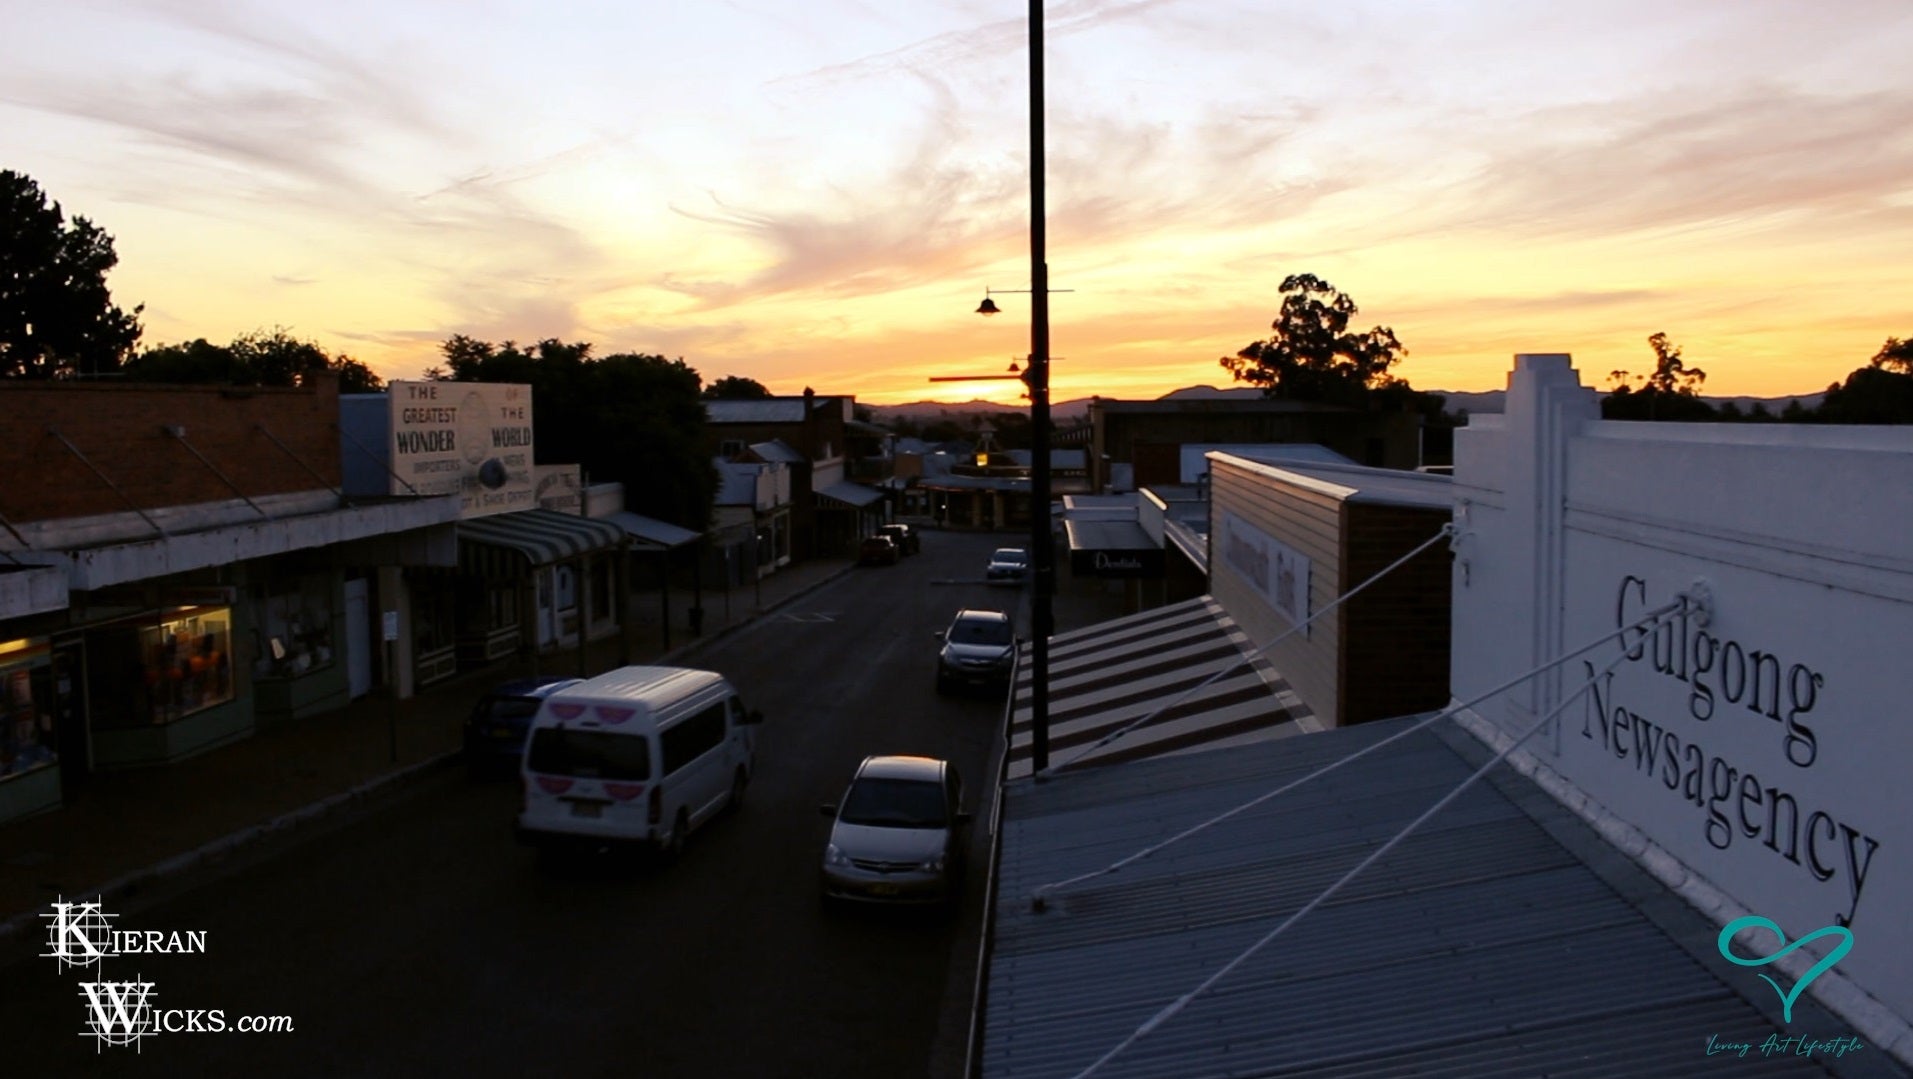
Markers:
point(639, 755)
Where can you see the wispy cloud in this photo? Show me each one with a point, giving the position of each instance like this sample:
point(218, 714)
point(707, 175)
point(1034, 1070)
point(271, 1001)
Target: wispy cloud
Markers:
point(1766, 154)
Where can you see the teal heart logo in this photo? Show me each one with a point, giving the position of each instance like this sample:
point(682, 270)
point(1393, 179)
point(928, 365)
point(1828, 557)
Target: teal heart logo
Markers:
point(1726, 939)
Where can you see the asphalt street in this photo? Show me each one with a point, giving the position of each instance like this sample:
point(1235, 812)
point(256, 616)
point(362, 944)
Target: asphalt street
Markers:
point(415, 936)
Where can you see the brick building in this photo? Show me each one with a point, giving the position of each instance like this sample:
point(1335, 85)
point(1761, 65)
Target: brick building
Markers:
point(1148, 436)
point(828, 512)
point(1287, 540)
point(178, 565)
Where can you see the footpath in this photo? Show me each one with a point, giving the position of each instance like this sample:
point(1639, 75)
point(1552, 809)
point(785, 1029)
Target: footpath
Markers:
point(124, 830)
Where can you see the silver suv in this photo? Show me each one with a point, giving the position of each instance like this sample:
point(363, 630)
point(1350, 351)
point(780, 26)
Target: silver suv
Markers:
point(979, 649)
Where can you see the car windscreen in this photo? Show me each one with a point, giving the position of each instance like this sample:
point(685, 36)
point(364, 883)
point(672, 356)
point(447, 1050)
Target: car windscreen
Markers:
point(559, 751)
point(979, 631)
point(895, 803)
point(1012, 554)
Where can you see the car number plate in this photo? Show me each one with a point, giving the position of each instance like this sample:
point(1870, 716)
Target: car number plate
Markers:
point(883, 889)
point(586, 809)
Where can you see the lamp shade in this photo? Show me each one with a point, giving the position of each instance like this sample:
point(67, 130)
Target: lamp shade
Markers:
point(987, 307)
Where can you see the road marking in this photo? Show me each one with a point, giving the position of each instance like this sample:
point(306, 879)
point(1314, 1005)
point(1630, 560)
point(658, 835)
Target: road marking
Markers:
point(808, 617)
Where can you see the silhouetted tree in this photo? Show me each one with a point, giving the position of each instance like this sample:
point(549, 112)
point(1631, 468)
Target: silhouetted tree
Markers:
point(1670, 392)
point(1312, 356)
point(736, 388)
point(1895, 355)
point(1881, 392)
point(631, 418)
point(57, 319)
point(260, 358)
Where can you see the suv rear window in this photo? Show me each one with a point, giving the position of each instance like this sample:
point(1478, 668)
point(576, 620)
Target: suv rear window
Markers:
point(558, 751)
point(508, 708)
point(980, 631)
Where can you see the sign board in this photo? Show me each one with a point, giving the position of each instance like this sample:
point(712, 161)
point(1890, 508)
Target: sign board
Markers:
point(389, 626)
point(560, 488)
point(1278, 572)
point(473, 439)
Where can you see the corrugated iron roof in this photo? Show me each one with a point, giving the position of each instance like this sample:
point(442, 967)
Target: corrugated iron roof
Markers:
point(1487, 944)
point(855, 495)
point(763, 410)
point(778, 450)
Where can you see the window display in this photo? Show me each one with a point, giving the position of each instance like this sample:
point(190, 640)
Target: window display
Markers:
point(187, 661)
point(295, 627)
point(26, 711)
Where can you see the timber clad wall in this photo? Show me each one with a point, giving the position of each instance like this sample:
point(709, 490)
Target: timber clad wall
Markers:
point(119, 429)
point(1394, 646)
point(1308, 521)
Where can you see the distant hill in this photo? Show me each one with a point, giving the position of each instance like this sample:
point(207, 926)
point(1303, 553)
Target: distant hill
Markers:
point(1494, 400)
point(931, 411)
point(1472, 401)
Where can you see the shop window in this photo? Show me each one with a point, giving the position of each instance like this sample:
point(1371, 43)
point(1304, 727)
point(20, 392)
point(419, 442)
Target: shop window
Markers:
point(27, 738)
point(159, 671)
point(600, 590)
point(295, 627)
point(434, 612)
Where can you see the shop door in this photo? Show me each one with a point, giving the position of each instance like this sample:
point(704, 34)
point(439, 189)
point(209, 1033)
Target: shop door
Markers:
point(358, 639)
point(69, 713)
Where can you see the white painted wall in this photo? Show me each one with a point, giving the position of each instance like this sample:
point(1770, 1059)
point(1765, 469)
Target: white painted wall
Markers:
point(1788, 799)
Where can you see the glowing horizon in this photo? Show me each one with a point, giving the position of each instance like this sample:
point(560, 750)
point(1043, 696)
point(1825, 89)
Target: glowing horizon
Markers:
point(820, 200)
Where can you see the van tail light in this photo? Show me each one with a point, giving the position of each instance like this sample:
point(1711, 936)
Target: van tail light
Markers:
point(654, 807)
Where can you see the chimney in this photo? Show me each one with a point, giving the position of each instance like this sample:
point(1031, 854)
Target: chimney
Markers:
point(810, 423)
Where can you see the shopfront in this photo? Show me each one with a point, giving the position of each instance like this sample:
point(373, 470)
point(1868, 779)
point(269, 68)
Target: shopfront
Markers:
point(29, 734)
point(165, 682)
point(534, 577)
point(299, 667)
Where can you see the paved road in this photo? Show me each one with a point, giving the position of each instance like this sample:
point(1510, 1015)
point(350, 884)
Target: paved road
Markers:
point(415, 937)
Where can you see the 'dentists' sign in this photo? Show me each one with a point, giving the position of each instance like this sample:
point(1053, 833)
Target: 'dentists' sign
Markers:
point(1736, 742)
point(473, 439)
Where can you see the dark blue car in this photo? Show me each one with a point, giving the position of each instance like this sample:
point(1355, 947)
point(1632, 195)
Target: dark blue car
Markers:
point(496, 728)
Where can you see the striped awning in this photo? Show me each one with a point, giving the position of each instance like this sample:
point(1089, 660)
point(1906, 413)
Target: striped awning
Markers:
point(1107, 676)
point(507, 544)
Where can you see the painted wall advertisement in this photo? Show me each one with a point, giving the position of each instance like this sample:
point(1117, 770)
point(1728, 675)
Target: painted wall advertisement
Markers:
point(1278, 572)
point(1758, 743)
point(561, 488)
point(467, 438)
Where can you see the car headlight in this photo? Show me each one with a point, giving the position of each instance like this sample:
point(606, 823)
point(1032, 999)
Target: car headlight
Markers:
point(932, 865)
point(834, 856)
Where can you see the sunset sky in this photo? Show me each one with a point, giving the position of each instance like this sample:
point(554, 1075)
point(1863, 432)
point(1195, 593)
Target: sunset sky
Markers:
point(818, 194)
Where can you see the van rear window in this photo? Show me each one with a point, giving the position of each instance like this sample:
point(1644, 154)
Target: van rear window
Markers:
point(558, 751)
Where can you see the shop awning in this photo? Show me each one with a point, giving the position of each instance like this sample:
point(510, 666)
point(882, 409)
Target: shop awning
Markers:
point(506, 544)
point(1112, 549)
point(854, 495)
point(1107, 676)
point(651, 534)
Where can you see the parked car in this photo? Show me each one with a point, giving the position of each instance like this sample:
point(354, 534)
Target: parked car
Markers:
point(898, 835)
point(877, 551)
point(979, 649)
point(907, 539)
point(1009, 565)
point(496, 727)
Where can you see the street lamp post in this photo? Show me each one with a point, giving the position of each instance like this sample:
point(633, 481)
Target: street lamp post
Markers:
point(1036, 377)
point(1042, 547)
